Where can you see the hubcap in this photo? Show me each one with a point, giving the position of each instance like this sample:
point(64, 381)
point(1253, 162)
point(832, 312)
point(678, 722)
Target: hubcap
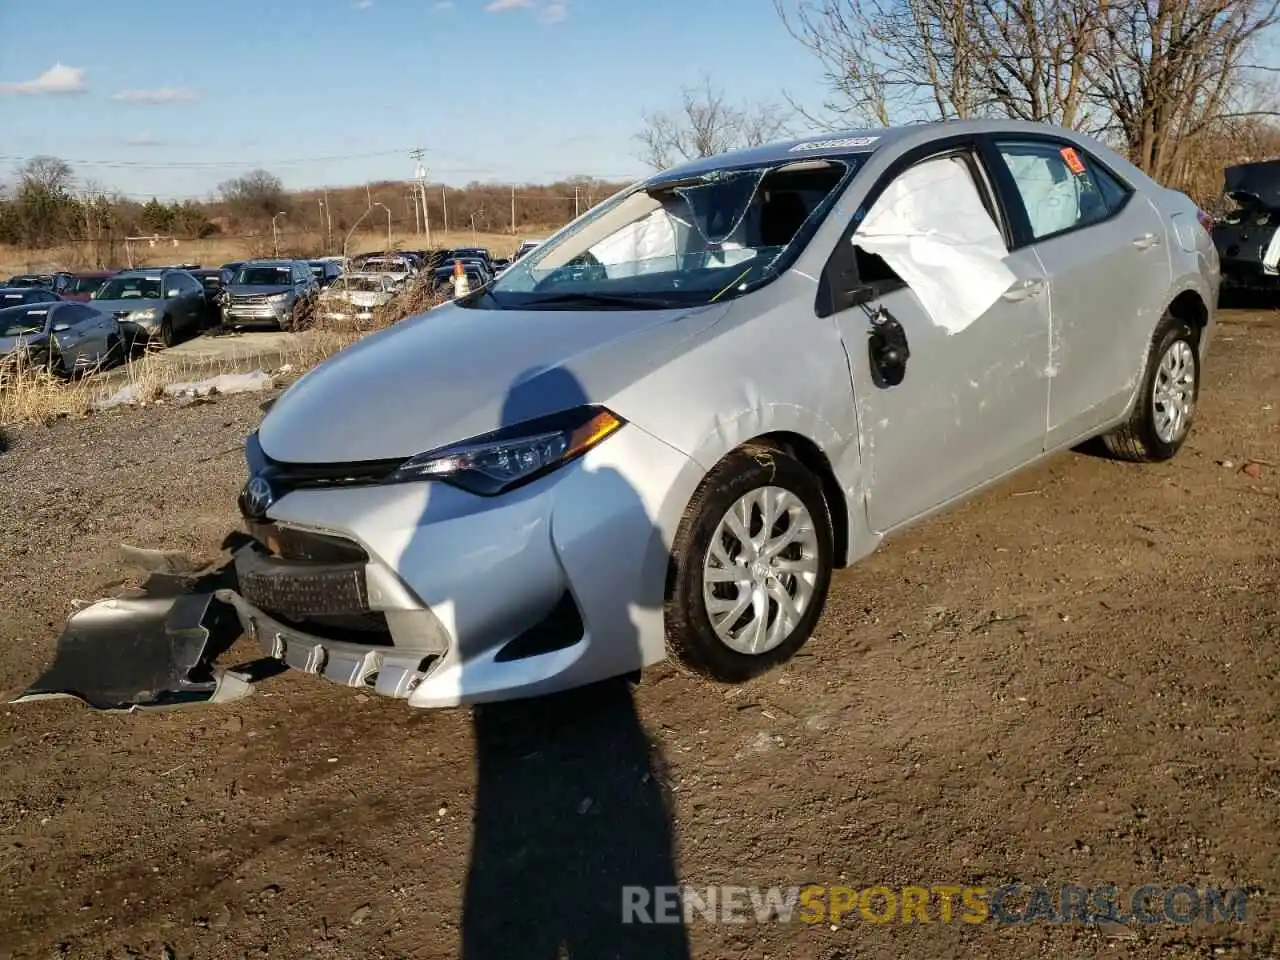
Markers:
point(761, 569)
point(1173, 396)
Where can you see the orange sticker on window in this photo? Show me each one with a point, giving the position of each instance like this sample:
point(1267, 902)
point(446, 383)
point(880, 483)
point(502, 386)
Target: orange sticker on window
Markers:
point(1073, 160)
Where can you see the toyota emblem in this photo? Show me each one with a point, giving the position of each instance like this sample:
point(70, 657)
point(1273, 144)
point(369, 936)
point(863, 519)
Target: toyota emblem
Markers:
point(258, 496)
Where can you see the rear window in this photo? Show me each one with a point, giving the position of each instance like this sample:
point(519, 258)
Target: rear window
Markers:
point(130, 288)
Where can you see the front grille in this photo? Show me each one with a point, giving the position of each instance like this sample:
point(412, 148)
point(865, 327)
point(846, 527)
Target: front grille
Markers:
point(248, 299)
point(299, 590)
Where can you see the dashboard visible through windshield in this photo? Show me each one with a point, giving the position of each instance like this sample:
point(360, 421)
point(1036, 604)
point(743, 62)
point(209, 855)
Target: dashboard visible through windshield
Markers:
point(672, 243)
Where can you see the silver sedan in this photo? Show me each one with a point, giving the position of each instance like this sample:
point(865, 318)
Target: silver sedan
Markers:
point(659, 432)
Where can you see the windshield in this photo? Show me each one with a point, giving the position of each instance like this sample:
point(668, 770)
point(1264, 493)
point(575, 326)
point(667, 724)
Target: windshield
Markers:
point(211, 281)
point(130, 288)
point(386, 266)
point(16, 321)
point(26, 282)
point(83, 284)
point(670, 243)
point(358, 284)
point(264, 276)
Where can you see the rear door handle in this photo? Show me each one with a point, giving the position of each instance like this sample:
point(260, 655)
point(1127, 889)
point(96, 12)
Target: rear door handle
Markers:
point(1024, 291)
point(1146, 241)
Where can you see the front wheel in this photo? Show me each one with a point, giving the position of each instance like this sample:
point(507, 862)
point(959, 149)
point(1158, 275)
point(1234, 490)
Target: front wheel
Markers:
point(167, 336)
point(751, 566)
point(1162, 414)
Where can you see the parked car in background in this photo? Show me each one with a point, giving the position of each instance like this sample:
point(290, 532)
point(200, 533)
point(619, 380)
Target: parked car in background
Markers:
point(442, 277)
point(398, 268)
point(214, 281)
point(717, 387)
point(1248, 238)
point(15, 296)
point(525, 247)
point(234, 265)
point(63, 337)
point(325, 271)
point(56, 282)
point(473, 253)
point(354, 296)
point(281, 293)
point(153, 305)
point(81, 285)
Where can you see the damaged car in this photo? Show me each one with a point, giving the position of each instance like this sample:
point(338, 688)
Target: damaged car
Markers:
point(1248, 237)
point(660, 432)
point(355, 296)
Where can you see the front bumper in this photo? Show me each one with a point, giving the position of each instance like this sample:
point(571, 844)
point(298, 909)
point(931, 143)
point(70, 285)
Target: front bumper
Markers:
point(257, 312)
point(550, 586)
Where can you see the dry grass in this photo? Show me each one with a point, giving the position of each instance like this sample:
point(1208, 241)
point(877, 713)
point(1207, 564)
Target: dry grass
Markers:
point(218, 250)
point(33, 396)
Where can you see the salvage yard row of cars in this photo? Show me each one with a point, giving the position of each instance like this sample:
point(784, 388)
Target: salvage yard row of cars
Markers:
point(67, 322)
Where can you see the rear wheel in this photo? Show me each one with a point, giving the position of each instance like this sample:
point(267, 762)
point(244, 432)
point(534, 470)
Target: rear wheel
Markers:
point(752, 565)
point(167, 336)
point(1162, 414)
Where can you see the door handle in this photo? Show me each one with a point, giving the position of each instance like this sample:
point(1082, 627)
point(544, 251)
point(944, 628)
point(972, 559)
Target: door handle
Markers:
point(1024, 291)
point(1147, 241)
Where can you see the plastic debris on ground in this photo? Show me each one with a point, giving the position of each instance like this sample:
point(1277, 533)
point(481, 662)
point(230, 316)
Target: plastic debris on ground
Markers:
point(151, 648)
point(225, 383)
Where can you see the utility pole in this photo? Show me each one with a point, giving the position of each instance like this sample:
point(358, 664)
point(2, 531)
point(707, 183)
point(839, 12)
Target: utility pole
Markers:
point(513, 210)
point(411, 201)
point(420, 189)
point(444, 201)
point(368, 195)
point(328, 224)
point(575, 201)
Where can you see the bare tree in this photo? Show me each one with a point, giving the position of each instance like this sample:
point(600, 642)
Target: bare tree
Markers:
point(1152, 74)
point(257, 196)
point(706, 124)
point(1167, 72)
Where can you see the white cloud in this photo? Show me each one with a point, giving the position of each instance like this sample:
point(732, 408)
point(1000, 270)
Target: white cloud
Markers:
point(363, 4)
point(155, 97)
point(143, 140)
point(57, 79)
point(549, 11)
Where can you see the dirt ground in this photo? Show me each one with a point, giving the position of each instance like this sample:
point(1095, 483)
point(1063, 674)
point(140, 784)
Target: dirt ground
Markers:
point(1071, 679)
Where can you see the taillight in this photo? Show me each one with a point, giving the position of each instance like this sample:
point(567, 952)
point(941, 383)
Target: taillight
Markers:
point(1206, 221)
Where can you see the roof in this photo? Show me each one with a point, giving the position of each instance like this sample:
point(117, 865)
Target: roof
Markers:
point(816, 145)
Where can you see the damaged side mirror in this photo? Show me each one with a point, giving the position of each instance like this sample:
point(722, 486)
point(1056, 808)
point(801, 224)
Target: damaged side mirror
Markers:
point(887, 349)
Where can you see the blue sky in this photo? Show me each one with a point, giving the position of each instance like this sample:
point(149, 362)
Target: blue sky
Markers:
point(156, 97)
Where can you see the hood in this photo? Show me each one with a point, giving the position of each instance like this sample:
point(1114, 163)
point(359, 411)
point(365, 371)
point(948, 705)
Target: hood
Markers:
point(264, 289)
point(454, 373)
point(115, 307)
point(361, 298)
point(10, 344)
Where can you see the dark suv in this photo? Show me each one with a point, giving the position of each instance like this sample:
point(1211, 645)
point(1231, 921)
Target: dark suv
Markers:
point(277, 292)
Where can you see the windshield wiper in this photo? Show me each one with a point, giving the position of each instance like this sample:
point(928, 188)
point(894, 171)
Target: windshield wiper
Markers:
point(602, 300)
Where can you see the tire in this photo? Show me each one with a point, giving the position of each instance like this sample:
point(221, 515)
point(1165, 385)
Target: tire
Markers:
point(115, 351)
point(167, 336)
point(692, 638)
point(1173, 366)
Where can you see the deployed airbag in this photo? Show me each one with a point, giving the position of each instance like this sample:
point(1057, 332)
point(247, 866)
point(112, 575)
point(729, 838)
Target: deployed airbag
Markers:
point(932, 228)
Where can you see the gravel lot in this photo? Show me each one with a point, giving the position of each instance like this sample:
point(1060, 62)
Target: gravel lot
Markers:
point(1071, 679)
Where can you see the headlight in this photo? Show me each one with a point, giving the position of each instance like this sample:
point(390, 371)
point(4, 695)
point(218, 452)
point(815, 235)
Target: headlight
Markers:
point(507, 458)
point(277, 298)
point(148, 314)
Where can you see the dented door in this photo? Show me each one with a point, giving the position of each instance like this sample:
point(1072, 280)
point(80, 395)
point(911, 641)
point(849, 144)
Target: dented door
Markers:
point(971, 400)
